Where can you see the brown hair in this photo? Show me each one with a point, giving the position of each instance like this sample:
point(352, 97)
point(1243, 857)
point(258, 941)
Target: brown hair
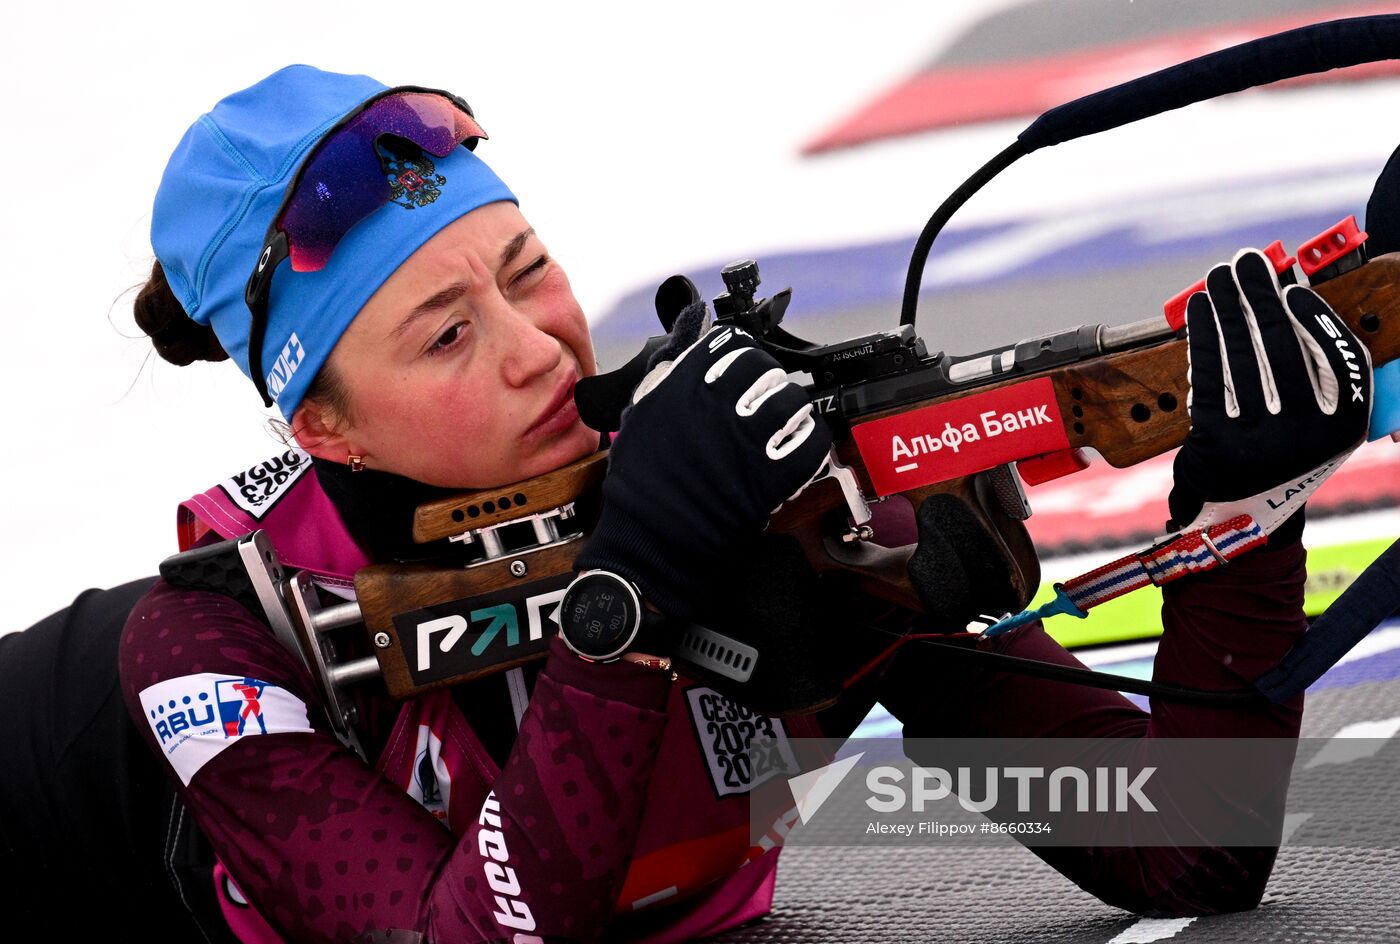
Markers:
point(176, 337)
point(181, 341)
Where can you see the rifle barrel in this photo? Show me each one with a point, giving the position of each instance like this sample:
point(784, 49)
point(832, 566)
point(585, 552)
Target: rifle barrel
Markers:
point(1146, 331)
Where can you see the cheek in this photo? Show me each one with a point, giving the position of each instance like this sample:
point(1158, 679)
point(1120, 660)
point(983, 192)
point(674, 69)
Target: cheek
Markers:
point(568, 324)
point(582, 343)
point(447, 433)
point(433, 414)
point(581, 347)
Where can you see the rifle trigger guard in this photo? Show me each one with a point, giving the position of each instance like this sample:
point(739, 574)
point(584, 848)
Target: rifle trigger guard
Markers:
point(855, 501)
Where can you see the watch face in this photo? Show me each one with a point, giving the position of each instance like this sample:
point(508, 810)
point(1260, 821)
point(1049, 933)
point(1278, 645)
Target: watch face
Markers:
point(600, 615)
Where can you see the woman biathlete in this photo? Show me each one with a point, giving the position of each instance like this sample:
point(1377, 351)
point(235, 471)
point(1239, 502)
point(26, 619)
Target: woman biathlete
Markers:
point(344, 246)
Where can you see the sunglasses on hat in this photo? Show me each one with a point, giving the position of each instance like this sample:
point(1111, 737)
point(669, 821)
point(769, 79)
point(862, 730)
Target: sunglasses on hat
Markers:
point(343, 179)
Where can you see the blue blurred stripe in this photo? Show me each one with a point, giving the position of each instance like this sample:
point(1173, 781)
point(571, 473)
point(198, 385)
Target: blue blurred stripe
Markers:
point(828, 281)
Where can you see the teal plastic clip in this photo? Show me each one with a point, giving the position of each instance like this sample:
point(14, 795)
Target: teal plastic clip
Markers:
point(1385, 402)
point(1061, 604)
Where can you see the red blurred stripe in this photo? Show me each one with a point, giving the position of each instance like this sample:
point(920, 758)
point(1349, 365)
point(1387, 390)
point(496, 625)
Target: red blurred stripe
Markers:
point(941, 98)
point(1107, 506)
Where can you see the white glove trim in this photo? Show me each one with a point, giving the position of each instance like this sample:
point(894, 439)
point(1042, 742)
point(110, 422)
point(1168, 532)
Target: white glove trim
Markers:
point(1272, 402)
point(793, 434)
point(1272, 507)
point(764, 387)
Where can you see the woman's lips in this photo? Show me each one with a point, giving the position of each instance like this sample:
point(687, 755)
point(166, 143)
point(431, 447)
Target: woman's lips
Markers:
point(559, 416)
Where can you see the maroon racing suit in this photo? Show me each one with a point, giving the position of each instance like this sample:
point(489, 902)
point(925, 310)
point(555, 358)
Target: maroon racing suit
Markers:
point(1221, 630)
point(608, 808)
point(611, 800)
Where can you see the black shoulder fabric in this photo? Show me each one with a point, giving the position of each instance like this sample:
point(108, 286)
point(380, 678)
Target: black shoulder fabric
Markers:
point(378, 509)
point(81, 791)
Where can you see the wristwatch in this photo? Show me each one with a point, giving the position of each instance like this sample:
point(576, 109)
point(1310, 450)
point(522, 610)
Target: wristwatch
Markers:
point(603, 616)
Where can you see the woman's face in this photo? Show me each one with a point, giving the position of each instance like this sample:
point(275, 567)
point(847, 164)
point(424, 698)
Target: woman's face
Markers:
point(460, 370)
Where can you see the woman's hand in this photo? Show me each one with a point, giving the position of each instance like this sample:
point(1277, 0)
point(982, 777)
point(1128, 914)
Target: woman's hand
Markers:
point(1280, 396)
point(715, 440)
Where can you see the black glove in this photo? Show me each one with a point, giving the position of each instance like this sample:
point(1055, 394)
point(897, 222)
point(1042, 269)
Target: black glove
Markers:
point(715, 441)
point(1280, 396)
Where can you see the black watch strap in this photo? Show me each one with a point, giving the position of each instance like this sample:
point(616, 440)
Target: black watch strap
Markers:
point(654, 635)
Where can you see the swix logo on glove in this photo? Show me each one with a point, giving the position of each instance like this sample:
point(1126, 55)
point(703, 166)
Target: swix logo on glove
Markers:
point(1358, 394)
point(196, 717)
point(963, 436)
point(720, 337)
point(257, 489)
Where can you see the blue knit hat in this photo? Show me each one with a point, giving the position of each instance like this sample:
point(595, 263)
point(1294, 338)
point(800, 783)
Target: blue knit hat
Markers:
point(225, 182)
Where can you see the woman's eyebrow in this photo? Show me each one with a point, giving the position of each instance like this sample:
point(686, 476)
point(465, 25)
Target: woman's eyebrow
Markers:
point(451, 294)
point(514, 247)
point(448, 296)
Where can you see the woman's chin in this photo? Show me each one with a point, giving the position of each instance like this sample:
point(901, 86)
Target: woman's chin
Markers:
point(569, 446)
point(579, 442)
point(576, 443)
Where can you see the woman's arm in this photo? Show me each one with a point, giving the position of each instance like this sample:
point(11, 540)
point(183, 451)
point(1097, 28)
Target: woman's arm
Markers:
point(326, 848)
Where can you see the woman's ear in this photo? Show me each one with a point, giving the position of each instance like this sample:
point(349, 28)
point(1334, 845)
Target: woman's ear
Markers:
point(318, 429)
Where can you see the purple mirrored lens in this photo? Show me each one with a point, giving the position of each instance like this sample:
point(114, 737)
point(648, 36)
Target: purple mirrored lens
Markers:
point(344, 182)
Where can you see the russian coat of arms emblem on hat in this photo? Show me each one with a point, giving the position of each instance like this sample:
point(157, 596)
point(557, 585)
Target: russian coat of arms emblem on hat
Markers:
point(413, 177)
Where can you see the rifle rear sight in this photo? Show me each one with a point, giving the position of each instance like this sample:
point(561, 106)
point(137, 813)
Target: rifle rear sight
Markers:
point(856, 360)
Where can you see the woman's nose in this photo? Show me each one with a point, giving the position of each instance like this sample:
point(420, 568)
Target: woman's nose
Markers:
point(528, 351)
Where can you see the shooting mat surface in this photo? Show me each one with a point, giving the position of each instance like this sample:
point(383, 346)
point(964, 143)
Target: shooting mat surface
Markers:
point(970, 895)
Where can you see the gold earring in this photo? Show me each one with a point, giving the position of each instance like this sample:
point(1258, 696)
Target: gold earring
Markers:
point(356, 463)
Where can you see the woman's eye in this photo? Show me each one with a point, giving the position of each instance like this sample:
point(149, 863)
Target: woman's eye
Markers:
point(530, 271)
point(449, 338)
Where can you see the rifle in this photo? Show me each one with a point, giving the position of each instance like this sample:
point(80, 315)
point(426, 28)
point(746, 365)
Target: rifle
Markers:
point(907, 423)
point(933, 428)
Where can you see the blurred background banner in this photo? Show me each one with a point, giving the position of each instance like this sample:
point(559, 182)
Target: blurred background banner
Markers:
point(1021, 61)
point(649, 139)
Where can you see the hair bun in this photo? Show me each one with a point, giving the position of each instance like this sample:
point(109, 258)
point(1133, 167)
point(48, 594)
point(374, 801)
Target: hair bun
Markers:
point(177, 339)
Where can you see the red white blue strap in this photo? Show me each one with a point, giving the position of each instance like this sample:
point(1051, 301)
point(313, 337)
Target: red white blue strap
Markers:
point(1190, 553)
point(1187, 554)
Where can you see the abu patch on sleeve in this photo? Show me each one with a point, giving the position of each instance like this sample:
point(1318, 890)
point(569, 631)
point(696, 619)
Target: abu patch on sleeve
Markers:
point(195, 717)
